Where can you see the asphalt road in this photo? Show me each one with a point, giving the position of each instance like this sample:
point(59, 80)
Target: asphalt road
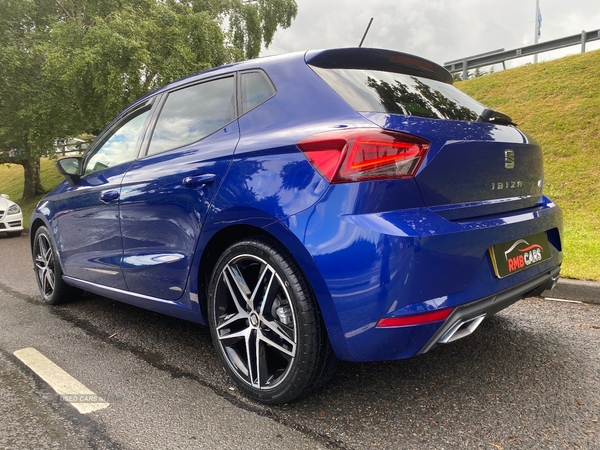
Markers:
point(528, 378)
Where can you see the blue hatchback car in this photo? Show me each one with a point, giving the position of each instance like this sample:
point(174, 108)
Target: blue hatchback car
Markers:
point(345, 204)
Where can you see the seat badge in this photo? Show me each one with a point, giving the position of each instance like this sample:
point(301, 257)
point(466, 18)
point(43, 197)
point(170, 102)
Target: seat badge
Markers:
point(509, 159)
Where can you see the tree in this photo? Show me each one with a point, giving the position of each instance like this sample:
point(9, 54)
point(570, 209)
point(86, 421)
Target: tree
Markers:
point(25, 103)
point(70, 65)
point(478, 73)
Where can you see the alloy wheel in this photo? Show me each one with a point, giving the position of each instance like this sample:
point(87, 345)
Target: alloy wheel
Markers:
point(44, 265)
point(255, 321)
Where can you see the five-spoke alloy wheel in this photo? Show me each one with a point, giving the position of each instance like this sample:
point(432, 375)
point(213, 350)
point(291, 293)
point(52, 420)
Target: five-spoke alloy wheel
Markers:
point(48, 272)
point(265, 323)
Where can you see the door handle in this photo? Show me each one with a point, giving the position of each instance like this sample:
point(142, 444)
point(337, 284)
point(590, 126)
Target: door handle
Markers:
point(199, 180)
point(109, 196)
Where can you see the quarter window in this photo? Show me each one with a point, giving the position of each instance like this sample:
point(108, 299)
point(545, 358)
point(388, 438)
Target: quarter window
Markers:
point(192, 113)
point(256, 88)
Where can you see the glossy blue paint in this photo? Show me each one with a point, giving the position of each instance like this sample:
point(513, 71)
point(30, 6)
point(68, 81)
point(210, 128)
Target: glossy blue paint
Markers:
point(368, 250)
point(409, 261)
point(89, 252)
point(161, 216)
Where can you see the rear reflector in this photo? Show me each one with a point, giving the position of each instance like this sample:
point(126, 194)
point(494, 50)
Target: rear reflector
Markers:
point(364, 154)
point(415, 319)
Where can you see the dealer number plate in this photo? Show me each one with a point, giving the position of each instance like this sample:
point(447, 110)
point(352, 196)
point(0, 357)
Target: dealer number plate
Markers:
point(513, 256)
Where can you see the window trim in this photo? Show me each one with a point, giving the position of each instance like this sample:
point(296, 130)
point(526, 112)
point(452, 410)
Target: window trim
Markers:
point(143, 153)
point(149, 131)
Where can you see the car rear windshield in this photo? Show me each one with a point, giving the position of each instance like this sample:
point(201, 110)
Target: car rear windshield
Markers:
point(396, 93)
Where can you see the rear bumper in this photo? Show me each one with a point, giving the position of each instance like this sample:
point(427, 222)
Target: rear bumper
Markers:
point(413, 261)
point(464, 315)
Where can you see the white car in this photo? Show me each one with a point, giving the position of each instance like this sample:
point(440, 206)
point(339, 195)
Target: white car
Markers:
point(11, 217)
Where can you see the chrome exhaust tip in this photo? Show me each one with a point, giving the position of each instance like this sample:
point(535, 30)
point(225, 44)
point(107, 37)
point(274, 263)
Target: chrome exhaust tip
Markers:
point(461, 329)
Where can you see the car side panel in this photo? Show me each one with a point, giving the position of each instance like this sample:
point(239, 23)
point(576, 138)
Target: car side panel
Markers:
point(89, 234)
point(162, 216)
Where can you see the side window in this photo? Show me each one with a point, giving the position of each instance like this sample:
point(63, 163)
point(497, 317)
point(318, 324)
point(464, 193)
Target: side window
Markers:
point(192, 113)
point(120, 144)
point(256, 88)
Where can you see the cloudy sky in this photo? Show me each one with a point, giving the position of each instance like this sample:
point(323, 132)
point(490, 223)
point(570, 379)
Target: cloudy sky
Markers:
point(440, 30)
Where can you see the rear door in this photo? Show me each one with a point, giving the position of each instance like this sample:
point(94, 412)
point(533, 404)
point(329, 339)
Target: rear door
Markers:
point(166, 194)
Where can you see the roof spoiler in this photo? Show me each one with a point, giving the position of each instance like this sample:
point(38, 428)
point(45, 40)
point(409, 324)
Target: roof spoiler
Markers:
point(378, 59)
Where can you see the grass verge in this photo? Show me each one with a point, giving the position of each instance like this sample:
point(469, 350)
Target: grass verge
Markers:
point(11, 183)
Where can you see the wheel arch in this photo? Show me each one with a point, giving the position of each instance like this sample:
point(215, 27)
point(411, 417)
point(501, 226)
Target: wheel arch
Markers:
point(33, 227)
point(214, 248)
point(284, 237)
point(35, 223)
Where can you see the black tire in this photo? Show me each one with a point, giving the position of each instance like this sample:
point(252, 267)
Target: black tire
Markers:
point(265, 323)
point(14, 233)
point(48, 272)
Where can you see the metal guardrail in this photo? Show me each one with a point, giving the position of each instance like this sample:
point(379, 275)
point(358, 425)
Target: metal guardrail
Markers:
point(500, 56)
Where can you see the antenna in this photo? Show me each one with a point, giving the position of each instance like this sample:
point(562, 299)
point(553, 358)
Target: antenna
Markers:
point(366, 31)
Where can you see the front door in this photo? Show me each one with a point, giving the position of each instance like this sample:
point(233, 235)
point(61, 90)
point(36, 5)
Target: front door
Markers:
point(90, 241)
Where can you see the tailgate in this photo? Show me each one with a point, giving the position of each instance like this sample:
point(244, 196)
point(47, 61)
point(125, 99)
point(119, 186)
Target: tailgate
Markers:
point(473, 168)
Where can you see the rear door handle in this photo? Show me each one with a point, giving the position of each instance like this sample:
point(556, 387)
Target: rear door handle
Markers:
point(109, 196)
point(199, 180)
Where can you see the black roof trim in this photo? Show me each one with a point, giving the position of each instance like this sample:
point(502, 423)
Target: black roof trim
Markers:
point(378, 59)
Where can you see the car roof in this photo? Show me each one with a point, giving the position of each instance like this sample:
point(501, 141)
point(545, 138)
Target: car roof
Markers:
point(341, 58)
point(256, 63)
point(351, 57)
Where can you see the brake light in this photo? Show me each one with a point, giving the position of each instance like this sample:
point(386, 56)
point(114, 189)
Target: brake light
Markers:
point(415, 319)
point(364, 154)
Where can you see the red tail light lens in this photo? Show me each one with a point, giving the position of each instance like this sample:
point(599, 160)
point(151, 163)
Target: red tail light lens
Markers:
point(364, 154)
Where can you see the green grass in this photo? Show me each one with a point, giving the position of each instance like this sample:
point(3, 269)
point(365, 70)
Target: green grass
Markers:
point(558, 103)
point(11, 183)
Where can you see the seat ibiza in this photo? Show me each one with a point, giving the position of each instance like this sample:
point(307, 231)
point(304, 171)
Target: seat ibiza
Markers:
point(345, 204)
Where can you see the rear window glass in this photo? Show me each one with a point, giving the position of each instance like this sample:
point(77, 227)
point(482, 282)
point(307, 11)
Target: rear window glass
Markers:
point(396, 93)
point(192, 113)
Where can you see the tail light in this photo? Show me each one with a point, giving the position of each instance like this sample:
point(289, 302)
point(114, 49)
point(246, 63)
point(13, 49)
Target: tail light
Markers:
point(364, 154)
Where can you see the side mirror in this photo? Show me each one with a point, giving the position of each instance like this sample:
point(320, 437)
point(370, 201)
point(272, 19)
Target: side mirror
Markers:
point(6, 196)
point(70, 168)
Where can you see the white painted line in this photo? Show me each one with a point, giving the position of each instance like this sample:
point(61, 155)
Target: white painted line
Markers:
point(561, 300)
point(70, 390)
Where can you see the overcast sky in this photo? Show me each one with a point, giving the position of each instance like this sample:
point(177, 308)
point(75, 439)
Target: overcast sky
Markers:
point(440, 30)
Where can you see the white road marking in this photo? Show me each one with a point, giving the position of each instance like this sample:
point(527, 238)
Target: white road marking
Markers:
point(70, 390)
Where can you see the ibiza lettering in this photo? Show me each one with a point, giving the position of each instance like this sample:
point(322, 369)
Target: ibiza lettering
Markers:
point(506, 185)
